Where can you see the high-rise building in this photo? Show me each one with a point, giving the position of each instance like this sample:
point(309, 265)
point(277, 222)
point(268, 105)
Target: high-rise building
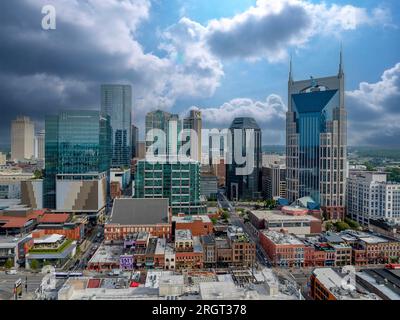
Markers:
point(244, 185)
point(274, 181)
point(158, 120)
point(316, 141)
point(22, 139)
point(177, 132)
point(116, 102)
point(194, 123)
point(135, 141)
point(176, 181)
point(39, 145)
point(77, 161)
point(370, 196)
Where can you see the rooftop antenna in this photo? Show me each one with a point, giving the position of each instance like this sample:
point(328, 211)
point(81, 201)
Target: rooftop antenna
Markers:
point(291, 69)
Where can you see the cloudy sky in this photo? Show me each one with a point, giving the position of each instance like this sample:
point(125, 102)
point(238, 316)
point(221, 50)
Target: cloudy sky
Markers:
point(227, 57)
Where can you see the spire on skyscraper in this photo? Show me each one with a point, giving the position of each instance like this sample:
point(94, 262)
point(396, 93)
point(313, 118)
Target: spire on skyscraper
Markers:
point(291, 69)
point(341, 72)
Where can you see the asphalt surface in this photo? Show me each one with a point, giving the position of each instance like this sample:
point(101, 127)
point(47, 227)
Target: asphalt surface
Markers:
point(7, 283)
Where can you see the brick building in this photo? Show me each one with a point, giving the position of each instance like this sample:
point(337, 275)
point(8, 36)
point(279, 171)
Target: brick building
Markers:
point(130, 216)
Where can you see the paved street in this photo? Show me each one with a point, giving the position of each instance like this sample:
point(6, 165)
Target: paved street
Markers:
point(235, 219)
point(7, 284)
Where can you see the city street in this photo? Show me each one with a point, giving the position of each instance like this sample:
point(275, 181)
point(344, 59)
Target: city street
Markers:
point(236, 220)
point(7, 284)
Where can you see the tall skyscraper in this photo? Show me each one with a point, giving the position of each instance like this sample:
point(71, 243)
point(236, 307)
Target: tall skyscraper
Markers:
point(135, 141)
point(77, 149)
point(244, 186)
point(22, 139)
point(194, 123)
point(116, 102)
point(157, 120)
point(316, 141)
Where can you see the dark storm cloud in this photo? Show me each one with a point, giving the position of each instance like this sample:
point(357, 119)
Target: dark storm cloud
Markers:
point(253, 36)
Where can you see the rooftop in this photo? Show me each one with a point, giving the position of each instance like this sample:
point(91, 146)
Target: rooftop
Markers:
point(190, 219)
point(282, 238)
point(53, 238)
point(107, 254)
point(140, 211)
point(275, 215)
point(340, 287)
point(183, 235)
point(55, 218)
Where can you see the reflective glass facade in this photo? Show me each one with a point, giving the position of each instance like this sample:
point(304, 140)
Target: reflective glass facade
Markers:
point(76, 142)
point(312, 111)
point(244, 187)
point(116, 102)
point(178, 182)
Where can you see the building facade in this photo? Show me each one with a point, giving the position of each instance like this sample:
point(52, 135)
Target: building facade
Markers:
point(176, 181)
point(135, 141)
point(116, 102)
point(274, 182)
point(371, 196)
point(77, 150)
point(316, 142)
point(22, 139)
point(244, 134)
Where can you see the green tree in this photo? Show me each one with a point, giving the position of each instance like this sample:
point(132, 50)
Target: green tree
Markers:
point(38, 174)
point(329, 226)
point(353, 224)
point(341, 226)
point(34, 264)
point(225, 216)
point(9, 264)
point(214, 220)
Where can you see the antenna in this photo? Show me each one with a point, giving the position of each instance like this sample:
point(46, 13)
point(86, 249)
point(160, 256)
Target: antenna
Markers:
point(291, 68)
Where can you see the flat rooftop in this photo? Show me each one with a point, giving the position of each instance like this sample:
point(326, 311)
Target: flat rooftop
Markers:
point(140, 211)
point(183, 235)
point(276, 215)
point(191, 219)
point(107, 254)
point(333, 281)
point(281, 238)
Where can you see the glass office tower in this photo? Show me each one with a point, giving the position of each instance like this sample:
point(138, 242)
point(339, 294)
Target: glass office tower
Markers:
point(179, 182)
point(76, 143)
point(116, 102)
point(316, 142)
point(244, 187)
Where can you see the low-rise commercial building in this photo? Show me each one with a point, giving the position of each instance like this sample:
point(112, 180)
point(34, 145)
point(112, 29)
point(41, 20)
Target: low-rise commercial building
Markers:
point(328, 284)
point(130, 216)
point(277, 221)
point(53, 249)
point(14, 249)
point(198, 225)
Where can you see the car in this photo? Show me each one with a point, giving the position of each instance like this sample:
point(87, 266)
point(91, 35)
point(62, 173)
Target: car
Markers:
point(11, 271)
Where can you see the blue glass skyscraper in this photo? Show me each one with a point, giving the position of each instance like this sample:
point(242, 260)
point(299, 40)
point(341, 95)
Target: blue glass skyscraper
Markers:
point(316, 141)
point(116, 102)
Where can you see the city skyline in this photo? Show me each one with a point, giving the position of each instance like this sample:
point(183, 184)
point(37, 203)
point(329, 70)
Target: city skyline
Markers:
point(179, 64)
